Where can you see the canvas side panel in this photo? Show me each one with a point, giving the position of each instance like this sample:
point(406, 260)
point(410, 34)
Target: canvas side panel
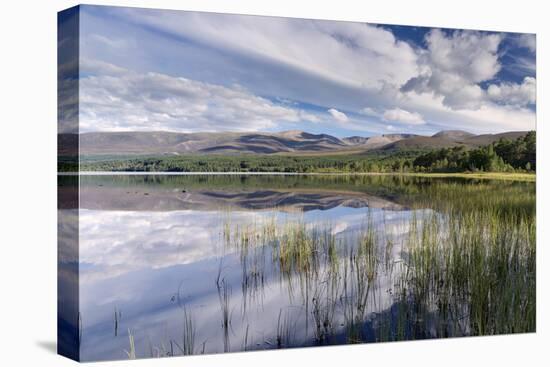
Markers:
point(68, 316)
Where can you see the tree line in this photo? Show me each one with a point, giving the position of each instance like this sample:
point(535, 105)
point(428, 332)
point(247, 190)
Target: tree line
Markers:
point(502, 156)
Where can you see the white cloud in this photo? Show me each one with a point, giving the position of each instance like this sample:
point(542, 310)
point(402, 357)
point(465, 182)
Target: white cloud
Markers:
point(488, 118)
point(469, 96)
point(339, 116)
point(453, 65)
point(514, 94)
point(119, 99)
point(403, 116)
point(471, 55)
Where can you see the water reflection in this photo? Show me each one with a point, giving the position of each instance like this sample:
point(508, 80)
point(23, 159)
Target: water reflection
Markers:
point(155, 197)
point(203, 265)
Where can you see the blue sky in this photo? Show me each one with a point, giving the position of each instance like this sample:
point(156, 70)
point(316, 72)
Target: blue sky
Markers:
point(143, 69)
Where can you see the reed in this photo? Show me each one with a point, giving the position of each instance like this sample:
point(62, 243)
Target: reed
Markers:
point(224, 296)
point(285, 330)
point(189, 333)
point(132, 351)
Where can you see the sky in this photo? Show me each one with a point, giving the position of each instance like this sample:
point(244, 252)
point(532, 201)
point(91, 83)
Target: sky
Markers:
point(151, 70)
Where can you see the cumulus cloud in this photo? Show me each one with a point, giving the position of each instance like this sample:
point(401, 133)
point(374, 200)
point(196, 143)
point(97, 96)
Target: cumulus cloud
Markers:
point(339, 116)
point(116, 99)
point(472, 55)
point(454, 64)
point(403, 116)
point(515, 94)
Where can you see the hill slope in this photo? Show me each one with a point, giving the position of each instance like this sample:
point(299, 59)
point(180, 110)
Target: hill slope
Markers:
point(230, 142)
point(450, 138)
point(455, 135)
point(161, 143)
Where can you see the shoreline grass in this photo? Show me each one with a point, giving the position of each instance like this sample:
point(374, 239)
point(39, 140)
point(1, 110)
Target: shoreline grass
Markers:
point(528, 177)
point(514, 176)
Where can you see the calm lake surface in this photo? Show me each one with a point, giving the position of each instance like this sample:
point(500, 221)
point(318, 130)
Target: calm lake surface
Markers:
point(209, 264)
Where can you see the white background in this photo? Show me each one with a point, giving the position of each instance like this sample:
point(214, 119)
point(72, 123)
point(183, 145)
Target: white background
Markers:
point(28, 182)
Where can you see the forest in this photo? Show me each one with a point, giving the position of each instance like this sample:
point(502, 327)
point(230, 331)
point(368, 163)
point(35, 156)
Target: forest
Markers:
point(502, 156)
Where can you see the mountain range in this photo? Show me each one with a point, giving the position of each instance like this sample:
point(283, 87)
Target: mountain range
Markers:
point(299, 142)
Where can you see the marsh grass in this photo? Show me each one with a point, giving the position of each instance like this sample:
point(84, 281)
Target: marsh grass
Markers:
point(187, 346)
point(131, 353)
point(245, 341)
point(467, 269)
point(117, 318)
point(465, 266)
point(286, 330)
point(477, 269)
point(188, 333)
point(224, 296)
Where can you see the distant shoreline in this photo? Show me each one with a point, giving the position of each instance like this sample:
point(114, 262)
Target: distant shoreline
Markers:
point(531, 177)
